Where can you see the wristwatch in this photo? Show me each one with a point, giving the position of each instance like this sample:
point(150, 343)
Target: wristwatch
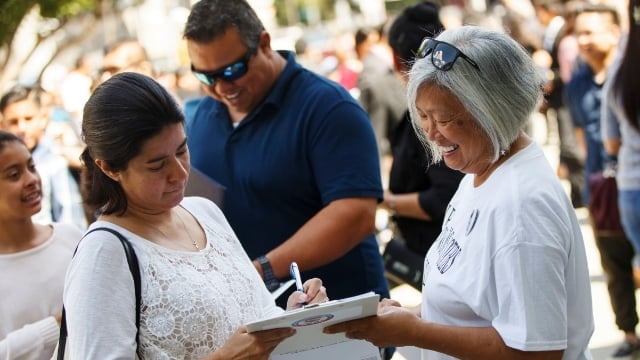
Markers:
point(267, 273)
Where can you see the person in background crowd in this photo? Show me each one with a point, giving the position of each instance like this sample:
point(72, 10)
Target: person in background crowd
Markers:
point(33, 259)
point(597, 30)
point(597, 42)
point(22, 114)
point(559, 50)
point(130, 55)
point(295, 152)
point(307, 57)
point(198, 286)
point(341, 64)
point(620, 120)
point(382, 93)
point(125, 55)
point(507, 278)
point(75, 89)
point(418, 192)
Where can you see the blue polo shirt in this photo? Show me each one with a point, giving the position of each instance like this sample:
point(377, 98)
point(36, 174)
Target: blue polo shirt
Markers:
point(307, 144)
point(583, 97)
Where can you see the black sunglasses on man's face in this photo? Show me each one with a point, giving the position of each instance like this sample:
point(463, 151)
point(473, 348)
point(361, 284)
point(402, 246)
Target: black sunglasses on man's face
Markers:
point(230, 72)
point(443, 54)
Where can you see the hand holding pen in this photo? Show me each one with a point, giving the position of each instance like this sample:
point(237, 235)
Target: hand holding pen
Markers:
point(314, 293)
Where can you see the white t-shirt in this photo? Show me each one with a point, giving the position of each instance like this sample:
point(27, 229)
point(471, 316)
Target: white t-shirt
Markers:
point(511, 256)
point(191, 301)
point(31, 284)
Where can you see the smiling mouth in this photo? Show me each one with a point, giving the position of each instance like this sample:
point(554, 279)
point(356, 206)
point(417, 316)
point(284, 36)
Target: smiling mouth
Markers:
point(233, 96)
point(451, 148)
point(32, 196)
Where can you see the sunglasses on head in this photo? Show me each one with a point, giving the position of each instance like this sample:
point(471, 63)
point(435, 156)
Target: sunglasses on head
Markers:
point(229, 73)
point(443, 55)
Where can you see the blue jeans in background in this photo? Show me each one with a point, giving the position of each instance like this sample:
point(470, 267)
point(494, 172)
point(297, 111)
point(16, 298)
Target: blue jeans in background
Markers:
point(629, 204)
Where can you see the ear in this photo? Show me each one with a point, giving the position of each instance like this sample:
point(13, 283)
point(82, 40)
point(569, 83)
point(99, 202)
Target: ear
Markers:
point(106, 169)
point(264, 42)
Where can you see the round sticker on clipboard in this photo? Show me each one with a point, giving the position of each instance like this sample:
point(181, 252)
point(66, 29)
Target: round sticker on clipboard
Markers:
point(312, 320)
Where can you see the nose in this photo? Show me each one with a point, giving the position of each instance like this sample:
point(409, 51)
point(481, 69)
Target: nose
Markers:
point(180, 170)
point(584, 39)
point(32, 178)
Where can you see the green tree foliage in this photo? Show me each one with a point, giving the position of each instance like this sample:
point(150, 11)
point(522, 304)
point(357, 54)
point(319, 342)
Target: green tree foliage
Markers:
point(13, 11)
point(56, 14)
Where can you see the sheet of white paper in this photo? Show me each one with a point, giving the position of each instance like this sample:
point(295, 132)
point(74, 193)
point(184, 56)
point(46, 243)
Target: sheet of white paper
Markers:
point(349, 350)
point(283, 287)
point(309, 322)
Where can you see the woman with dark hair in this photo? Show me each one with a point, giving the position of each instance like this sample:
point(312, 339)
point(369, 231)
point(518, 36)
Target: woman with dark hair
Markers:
point(33, 259)
point(620, 127)
point(198, 285)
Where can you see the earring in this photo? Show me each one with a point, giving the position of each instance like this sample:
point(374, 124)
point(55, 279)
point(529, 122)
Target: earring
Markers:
point(636, 15)
point(503, 152)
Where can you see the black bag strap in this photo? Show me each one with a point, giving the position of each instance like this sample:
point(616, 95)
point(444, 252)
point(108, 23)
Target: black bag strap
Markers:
point(134, 267)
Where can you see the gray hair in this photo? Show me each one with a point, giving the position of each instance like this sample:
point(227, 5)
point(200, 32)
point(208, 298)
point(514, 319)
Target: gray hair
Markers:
point(501, 96)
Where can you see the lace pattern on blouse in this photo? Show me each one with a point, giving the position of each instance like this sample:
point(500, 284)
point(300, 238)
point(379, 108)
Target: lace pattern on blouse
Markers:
point(193, 302)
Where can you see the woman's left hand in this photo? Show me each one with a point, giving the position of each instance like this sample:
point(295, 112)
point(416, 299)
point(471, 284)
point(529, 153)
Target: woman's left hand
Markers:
point(388, 328)
point(313, 293)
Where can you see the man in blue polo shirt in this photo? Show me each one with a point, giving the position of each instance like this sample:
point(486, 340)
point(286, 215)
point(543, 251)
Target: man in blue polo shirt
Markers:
point(296, 154)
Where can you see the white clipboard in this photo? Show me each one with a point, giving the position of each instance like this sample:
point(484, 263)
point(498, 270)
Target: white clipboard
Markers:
point(310, 343)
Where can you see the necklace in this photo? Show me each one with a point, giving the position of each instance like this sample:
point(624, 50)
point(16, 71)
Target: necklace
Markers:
point(184, 227)
point(195, 244)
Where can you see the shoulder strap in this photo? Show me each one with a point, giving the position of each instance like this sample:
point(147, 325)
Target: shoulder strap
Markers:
point(134, 267)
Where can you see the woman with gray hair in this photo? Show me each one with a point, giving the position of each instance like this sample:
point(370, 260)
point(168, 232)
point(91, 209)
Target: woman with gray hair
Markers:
point(499, 280)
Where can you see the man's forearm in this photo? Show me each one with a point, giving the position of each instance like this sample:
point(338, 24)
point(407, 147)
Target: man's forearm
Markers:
point(327, 236)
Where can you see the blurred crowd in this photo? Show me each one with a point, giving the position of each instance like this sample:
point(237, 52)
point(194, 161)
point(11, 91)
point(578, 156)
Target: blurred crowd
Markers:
point(359, 60)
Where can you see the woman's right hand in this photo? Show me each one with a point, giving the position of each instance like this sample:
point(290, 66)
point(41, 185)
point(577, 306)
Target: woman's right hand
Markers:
point(243, 345)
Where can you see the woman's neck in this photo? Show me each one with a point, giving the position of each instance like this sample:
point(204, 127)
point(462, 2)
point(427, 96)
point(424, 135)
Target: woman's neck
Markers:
point(22, 235)
point(520, 143)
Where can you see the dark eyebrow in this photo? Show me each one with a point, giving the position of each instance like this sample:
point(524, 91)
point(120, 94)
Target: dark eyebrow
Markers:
point(162, 157)
point(10, 168)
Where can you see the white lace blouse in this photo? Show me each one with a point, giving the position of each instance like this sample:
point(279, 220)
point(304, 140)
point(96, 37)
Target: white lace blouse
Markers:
point(191, 301)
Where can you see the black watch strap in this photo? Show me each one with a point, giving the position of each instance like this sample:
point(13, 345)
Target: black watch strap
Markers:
point(267, 273)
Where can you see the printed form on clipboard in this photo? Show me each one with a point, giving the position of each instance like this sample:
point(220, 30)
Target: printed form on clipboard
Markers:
point(310, 343)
